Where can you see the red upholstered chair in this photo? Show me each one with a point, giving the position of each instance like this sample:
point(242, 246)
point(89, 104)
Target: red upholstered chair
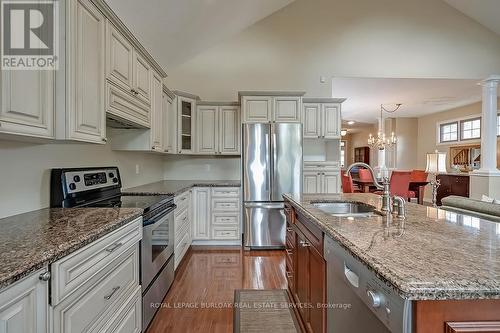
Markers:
point(365, 174)
point(400, 182)
point(347, 186)
point(417, 176)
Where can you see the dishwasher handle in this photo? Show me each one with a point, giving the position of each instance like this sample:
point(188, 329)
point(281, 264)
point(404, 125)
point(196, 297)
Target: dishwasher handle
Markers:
point(352, 277)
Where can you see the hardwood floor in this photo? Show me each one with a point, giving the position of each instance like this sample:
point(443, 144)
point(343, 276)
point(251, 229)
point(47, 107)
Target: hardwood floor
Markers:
point(201, 296)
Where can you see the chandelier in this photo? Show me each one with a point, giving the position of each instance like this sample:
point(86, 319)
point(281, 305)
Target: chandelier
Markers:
point(382, 142)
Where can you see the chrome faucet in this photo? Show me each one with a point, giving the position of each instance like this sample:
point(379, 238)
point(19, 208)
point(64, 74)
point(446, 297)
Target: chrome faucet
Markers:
point(398, 202)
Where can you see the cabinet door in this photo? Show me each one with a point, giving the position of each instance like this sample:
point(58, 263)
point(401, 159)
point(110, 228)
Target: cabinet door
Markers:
point(86, 114)
point(287, 109)
point(257, 109)
point(330, 182)
point(156, 113)
point(27, 102)
point(119, 58)
point(311, 182)
point(317, 291)
point(229, 129)
point(23, 306)
point(141, 75)
point(201, 209)
point(207, 129)
point(302, 277)
point(185, 125)
point(331, 121)
point(169, 125)
point(312, 124)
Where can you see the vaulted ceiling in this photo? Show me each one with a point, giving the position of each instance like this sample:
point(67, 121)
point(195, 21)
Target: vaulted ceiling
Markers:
point(176, 30)
point(486, 12)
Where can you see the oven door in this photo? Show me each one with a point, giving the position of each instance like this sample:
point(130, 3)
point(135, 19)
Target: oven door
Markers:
point(157, 245)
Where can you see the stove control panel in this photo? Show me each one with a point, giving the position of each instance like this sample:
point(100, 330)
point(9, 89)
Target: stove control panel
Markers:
point(85, 180)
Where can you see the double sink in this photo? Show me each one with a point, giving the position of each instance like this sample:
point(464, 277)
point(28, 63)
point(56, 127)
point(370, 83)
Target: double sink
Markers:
point(347, 209)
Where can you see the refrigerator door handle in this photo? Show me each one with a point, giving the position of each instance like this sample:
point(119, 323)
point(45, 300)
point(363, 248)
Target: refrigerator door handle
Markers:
point(267, 205)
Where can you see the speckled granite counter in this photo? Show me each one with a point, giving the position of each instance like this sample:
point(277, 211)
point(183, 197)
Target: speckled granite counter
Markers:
point(176, 187)
point(32, 240)
point(432, 255)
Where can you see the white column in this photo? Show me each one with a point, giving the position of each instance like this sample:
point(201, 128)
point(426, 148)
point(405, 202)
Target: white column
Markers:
point(489, 127)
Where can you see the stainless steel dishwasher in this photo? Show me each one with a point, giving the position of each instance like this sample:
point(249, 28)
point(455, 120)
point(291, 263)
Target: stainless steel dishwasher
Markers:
point(359, 301)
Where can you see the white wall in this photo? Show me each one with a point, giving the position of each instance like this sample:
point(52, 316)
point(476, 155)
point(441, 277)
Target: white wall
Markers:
point(290, 49)
point(25, 170)
point(202, 168)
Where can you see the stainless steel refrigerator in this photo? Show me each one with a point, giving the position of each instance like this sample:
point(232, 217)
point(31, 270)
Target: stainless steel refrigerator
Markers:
point(272, 165)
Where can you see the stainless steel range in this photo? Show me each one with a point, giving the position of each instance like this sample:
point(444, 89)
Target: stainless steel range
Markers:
point(101, 187)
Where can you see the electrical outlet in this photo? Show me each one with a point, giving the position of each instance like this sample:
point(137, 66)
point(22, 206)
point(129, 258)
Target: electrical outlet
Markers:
point(137, 169)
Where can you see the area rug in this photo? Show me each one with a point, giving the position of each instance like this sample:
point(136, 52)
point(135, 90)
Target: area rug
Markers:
point(267, 310)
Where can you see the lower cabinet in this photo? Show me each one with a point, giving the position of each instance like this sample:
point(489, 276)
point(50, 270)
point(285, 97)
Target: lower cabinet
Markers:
point(216, 214)
point(96, 289)
point(306, 271)
point(24, 305)
point(182, 226)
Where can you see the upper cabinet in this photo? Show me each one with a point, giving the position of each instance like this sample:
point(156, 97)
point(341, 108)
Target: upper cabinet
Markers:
point(265, 107)
point(169, 122)
point(322, 118)
point(218, 127)
point(186, 122)
point(157, 113)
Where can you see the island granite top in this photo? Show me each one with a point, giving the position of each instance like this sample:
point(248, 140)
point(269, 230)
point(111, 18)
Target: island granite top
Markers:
point(35, 239)
point(176, 187)
point(432, 255)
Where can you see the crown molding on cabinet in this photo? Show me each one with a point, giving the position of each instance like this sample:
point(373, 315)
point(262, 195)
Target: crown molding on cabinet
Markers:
point(122, 28)
point(322, 100)
point(187, 95)
point(271, 93)
point(169, 92)
point(210, 103)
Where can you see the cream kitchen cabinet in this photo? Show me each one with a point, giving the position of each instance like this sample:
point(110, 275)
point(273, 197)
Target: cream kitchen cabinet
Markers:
point(218, 128)
point(182, 226)
point(186, 122)
point(216, 215)
point(322, 118)
point(263, 107)
point(157, 113)
point(321, 177)
point(169, 122)
point(24, 305)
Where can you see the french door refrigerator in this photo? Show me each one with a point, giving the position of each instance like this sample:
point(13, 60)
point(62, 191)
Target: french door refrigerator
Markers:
point(272, 165)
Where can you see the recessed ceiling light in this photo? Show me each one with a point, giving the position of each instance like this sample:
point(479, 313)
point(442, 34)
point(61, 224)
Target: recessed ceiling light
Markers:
point(351, 122)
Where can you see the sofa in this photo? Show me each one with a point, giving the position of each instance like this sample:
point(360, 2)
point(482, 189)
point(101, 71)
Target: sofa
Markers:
point(477, 208)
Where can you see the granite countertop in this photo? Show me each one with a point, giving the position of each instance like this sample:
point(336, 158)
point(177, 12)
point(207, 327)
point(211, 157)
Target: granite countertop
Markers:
point(176, 187)
point(33, 240)
point(432, 255)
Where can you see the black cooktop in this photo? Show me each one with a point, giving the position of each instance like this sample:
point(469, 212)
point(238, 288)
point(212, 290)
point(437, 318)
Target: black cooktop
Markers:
point(146, 202)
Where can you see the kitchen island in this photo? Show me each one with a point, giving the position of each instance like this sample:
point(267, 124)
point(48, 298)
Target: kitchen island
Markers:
point(445, 263)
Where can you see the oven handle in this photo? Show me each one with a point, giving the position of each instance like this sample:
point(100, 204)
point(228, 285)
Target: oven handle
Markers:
point(159, 216)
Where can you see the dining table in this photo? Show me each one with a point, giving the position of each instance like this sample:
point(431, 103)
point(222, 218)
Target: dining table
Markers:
point(416, 186)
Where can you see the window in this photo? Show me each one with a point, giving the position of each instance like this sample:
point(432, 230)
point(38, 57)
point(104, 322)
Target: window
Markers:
point(498, 125)
point(448, 132)
point(470, 129)
point(342, 154)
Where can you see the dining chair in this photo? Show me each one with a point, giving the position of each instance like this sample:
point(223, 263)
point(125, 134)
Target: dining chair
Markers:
point(416, 176)
point(400, 183)
point(365, 174)
point(347, 185)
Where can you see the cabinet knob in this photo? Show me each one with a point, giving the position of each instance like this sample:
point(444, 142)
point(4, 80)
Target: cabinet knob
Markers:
point(104, 140)
point(45, 276)
point(304, 243)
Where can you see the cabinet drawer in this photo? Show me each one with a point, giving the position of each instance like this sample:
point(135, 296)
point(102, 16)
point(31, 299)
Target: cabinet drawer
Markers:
point(312, 233)
point(226, 192)
point(226, 218)
point(181, 246)
point(290, 237)
point(82, 312)
point(225, 232)
point(127, 108)
point(128, 318)
point(181, 222)
point(72, 271)
point(225, 205)
point(182, 201)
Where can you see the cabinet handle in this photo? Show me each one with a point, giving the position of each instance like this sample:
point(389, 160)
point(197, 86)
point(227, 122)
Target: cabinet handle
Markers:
point(45, 276)
point(304, 243)
point(289, 274)
point(289, 252)
point(113, 247)
point(289, 229)
point(184, 219)
point(113, 291)
point(104, 139)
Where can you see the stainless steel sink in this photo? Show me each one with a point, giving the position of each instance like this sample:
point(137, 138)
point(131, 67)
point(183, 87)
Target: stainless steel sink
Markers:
point(341, 208)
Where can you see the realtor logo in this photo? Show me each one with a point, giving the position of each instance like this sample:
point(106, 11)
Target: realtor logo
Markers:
point(30, 34)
